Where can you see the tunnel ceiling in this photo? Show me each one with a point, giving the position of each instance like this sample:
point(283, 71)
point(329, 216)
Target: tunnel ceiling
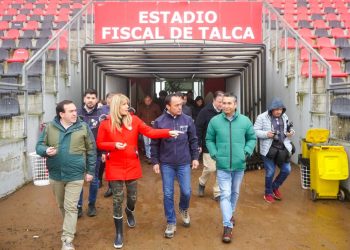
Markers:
point(169, 59)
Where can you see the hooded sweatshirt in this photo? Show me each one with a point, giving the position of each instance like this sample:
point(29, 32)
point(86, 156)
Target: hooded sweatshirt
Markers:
point(264, 123)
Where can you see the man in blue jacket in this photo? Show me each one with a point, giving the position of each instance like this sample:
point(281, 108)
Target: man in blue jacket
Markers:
point(172, 157)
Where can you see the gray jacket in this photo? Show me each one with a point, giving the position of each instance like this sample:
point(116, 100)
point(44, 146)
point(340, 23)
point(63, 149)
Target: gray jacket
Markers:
point(263, 125)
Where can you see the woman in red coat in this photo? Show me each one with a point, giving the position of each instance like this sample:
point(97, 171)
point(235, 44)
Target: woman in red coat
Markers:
point(118, 137)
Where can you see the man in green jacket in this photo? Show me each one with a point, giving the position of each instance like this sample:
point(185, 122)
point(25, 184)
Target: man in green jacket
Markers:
point(230, 140)
point(69, 146)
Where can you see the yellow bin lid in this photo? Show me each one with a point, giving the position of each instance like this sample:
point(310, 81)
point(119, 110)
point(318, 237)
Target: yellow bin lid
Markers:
point(317, 135)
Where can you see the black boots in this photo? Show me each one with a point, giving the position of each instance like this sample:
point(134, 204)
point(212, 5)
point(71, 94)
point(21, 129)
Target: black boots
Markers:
point(130, 219)
point(118, 242)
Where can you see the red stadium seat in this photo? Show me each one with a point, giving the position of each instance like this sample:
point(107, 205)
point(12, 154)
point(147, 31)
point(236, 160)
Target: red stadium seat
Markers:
point(336, 69)
point(342, 10)
point(324, 42)
point(303, 16)
point(289, 5)
point(20, 18)
point(29, 6)
point(289, 18)
point(346, 24)
point(345, 16)
point(4, 25)
point(62, 18)
point(291, 44)
point(64, 11)
point(37, 11)
point(11, 12)
point(301, 10)
point(329, 54)
point(76, 6)
point(31, 25)
point(306, 33)
point(311, 42)
point(315, 10)
point(320, 24)
point(304, 55)
point(11, 34)
point(20, 55)
point(63, 44)
point(316, 72)
point(331, 17)
point(339, 33)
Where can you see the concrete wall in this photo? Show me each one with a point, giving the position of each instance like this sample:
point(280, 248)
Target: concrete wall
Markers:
point(13, 171)
point(233, 85)
point(116, 84)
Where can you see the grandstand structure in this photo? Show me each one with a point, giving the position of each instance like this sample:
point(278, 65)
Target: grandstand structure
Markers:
point(48, 53)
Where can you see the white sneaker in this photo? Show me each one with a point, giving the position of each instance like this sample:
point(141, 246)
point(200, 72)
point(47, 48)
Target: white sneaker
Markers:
point(185, 217)
point(67, 246)
point(170, 231)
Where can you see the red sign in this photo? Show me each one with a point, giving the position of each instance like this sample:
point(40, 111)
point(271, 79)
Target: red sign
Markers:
point(220, 21)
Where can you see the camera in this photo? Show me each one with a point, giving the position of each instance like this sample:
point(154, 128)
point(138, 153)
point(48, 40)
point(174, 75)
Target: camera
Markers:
point(289, 126)
point(275, 135)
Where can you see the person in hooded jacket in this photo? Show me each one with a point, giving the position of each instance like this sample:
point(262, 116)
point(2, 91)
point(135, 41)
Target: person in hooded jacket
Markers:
point(272, 129)
point(118, 137)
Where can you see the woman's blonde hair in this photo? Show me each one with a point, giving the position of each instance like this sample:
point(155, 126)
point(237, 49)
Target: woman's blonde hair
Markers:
point(117, 119)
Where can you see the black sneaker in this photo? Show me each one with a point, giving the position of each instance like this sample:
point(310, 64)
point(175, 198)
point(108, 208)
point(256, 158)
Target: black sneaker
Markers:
point(227, 235)
point(80, 212)
point(91, 210)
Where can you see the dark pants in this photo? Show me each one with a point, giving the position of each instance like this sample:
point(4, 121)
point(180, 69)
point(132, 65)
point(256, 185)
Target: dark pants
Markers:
point(118, 196)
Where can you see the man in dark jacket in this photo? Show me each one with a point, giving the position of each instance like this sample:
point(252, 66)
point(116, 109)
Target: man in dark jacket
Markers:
point(148, 112)
point(172, 157)
point(202, 121)
point(69, 146)
point(90, 114)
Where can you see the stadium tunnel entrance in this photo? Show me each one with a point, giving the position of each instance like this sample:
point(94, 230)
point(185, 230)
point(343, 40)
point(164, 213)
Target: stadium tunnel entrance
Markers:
point(140, 68)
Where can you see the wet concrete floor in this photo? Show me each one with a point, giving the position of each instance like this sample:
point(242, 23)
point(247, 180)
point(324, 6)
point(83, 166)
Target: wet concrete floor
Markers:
point(29, 219)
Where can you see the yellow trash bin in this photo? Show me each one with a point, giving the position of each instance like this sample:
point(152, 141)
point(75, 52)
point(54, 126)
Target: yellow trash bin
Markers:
point(313, 135)
point(328, 165)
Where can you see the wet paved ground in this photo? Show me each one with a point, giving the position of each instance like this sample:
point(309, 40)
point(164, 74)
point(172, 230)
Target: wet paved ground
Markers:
point(29, 219)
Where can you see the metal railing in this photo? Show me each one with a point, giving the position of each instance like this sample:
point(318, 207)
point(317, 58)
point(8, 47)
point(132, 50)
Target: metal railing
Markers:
point(276, 32)
point(61, 51)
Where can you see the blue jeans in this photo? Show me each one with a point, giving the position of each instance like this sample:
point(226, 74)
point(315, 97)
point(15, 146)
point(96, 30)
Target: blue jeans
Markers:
point(270, 168)
point(93, 186)
point(147, 143)
point(229, 184)
point(183, 175)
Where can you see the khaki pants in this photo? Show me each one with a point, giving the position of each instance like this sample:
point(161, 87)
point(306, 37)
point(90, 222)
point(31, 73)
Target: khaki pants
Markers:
point(67, 196)
point(209, 167)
